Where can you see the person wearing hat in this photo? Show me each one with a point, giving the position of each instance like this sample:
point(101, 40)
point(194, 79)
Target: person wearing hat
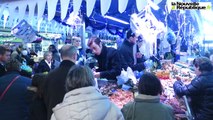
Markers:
point(130, 52)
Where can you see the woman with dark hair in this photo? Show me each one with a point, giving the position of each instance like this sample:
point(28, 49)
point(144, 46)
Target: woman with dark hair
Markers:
point(55, 53)
point(200, 90)
point(147, 105)
point(83, 101)
point(37, 108)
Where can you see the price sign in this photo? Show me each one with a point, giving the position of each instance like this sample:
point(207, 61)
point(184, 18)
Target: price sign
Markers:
point(24, 31)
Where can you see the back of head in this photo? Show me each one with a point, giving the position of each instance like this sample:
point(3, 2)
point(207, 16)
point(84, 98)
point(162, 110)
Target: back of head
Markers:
point(203, 63)
point(38, 81)
point(13, 65)
point(130, 33)
point(52, 48)
point(68, 51)
point(2, 50)
point(78, 77)
point(149, 84)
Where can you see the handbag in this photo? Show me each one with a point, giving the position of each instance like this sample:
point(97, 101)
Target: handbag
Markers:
point(7, 88)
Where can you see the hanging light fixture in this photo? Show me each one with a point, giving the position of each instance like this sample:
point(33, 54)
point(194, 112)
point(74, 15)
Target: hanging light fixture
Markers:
point(116, 19)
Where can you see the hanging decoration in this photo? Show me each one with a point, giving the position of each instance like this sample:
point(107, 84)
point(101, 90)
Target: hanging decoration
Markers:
point(51, 8)
point(105, 5)
point(122, 4)
point(1, 9)
point(12, 11)
point(64, 8)
point(41, 7)
point(157, 1)
point(76, 6)
point(31, 10)
point(90, 6)
point(146, 24)
point(6, 15)
point(39, 24)
point(22, 9)
point(141, 4)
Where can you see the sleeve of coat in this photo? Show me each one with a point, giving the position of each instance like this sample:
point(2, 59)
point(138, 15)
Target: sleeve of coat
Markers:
point(116, 66)
point(40, 68)
point(191, 89)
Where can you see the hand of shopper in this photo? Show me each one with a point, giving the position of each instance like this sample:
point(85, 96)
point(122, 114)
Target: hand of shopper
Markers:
point(178, 83)
point(178, 78)
point(96, 74)
point(138, 55)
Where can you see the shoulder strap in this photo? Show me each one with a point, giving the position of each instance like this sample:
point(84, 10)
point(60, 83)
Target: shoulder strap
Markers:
point(7, 88)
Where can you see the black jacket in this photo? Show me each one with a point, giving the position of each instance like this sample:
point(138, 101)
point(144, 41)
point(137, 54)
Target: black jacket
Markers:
point(43, 67)
point(126, 51)
point(15, 103)
point(54, 90)
point(37, 109)
point(109, 63)
point(201, 92)
point(2, 70)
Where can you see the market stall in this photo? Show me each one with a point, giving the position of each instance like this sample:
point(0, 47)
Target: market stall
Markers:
point(168, 75)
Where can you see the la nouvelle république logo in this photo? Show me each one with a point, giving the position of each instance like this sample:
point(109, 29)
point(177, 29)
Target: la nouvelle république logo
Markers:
point(191, 6)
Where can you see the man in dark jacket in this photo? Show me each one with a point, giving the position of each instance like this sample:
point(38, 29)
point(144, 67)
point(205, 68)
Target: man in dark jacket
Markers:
point(130, 53)
point(4, 56)
point(54, 90)
point(14, 105)
point(109, 62)
point(200, 89)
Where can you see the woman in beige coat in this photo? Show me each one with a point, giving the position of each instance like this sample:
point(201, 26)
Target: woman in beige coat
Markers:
point(83, 101)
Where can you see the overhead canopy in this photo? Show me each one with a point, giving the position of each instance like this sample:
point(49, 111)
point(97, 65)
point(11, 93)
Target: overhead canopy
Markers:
point(93, 11)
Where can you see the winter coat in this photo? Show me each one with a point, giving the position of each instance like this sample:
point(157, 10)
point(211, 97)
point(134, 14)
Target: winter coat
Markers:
point(43, 66)
point(86, 104)
point(37, 109)
point(109, 63)
point(200, 90)
point(146, 107)
point(15, 103)
point(126, 51)
point(54, 89)
point(2, 70)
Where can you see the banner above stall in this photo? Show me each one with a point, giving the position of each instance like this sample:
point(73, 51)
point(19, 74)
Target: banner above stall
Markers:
point(99, 14)
point(39, 7)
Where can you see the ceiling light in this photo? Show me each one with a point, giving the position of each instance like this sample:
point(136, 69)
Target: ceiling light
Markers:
point(116, 19)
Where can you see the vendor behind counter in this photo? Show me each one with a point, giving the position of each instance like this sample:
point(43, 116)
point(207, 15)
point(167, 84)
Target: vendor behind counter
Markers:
point(109, 61)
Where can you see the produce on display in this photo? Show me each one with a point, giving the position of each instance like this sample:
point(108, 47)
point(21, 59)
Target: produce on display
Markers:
point(168, 75)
